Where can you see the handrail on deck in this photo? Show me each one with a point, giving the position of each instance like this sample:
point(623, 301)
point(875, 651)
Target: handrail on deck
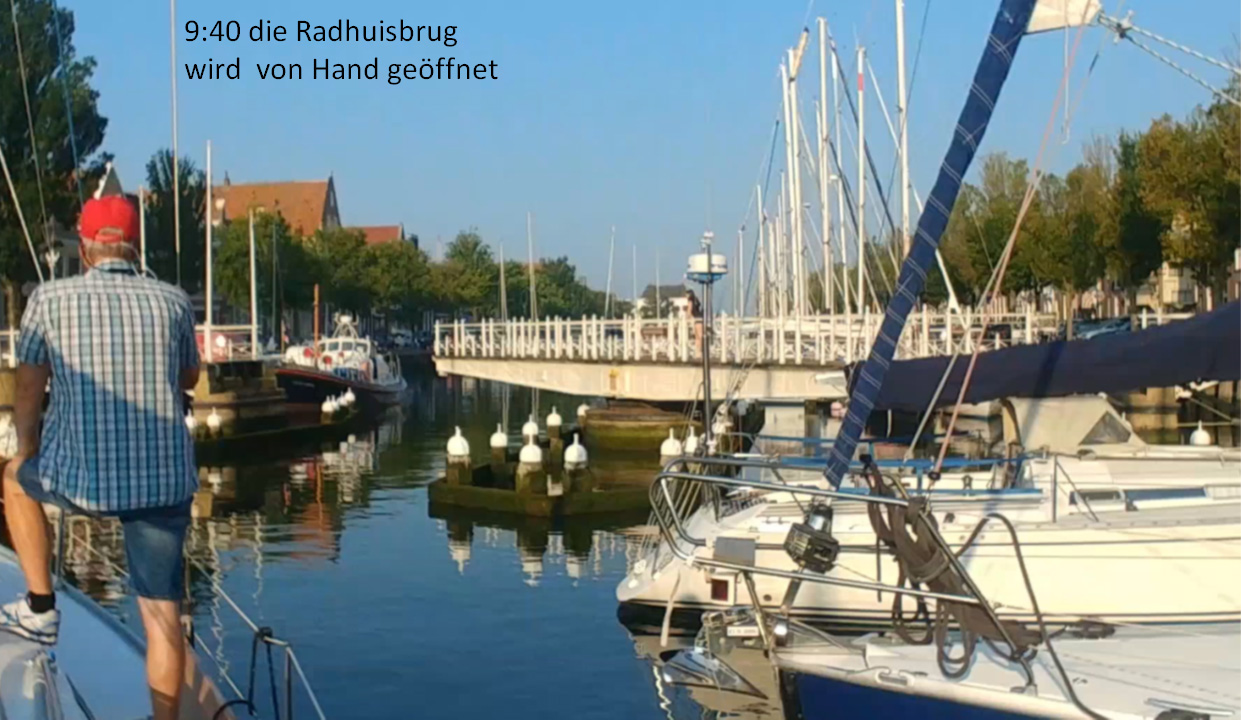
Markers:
point(262, 635)
point(661, 488)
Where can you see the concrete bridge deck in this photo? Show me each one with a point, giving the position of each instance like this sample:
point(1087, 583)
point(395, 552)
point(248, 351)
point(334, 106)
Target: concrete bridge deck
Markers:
point(660, 360)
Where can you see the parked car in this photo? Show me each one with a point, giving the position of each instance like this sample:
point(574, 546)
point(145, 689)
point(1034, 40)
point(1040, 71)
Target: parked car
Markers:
point(1087, 329)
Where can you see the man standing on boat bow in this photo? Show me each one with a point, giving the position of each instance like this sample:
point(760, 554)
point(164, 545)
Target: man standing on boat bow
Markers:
point(120, 349)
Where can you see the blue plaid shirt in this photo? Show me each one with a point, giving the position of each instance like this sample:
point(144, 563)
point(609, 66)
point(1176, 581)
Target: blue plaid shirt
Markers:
point(114, 437)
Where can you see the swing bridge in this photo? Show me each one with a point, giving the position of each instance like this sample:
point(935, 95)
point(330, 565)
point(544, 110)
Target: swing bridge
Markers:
point(660, 360)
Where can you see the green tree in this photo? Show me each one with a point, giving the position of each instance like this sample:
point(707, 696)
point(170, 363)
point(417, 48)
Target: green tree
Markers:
point(339, 258)
point(398, 278)
point(295, 271)
point(1135, 250)
point(161, 226)
point(52, 74)
point(1190, 179)
point(468, 278)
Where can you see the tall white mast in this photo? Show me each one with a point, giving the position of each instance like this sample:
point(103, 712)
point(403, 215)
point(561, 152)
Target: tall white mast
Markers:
point(782, 263)
point(762, 253)
point(903, 120)
point(825, 207)
point(795, 225)
point(861, 176)
point(658, 299)
point(840, 185)
point(534, 303)
point(142, 227)
point(634, 276)
point(503, 287)
point(737, 309)
point(176, 172)
point(782, 279)
point(254, 295)
point(210, 300)
point(607, 295)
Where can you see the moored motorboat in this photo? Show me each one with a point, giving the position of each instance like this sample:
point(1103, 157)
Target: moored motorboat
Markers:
point(344, 363)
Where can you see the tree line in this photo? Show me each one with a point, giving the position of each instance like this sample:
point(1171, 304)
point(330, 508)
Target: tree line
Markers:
point(1170, 193)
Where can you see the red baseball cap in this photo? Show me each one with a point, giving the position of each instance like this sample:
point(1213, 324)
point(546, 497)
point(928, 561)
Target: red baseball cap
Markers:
point(109, 219)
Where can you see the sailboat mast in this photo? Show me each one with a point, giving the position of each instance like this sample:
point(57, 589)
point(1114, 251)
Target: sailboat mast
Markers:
point(534, 303)
point(176, 170)
point(840, 190)
point(762, 253)
point(902, 101)
point(634, 276)
point(825, 206)
point(781, 249)
point(795, 229)
point(658, 300)
point(142, 227)
point(503, 287)
point(607, 294)
point(861, 177)
point(254, 295)
point(737, 309)
point(786, 178)
point(210, 300)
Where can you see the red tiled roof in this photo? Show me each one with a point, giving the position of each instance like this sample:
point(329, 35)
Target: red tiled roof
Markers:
point(302, 203)
point(379, 234)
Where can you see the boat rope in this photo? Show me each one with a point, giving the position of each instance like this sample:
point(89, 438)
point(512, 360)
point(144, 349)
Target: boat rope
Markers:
point(34, 145)
point(911, 532)
point(996, 283)
point(64, 90)
point(21, 217)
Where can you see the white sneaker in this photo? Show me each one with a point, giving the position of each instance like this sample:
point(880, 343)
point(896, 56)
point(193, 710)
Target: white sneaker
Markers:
point(17, 618)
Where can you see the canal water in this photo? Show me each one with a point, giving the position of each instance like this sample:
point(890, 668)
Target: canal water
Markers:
point(396, 608)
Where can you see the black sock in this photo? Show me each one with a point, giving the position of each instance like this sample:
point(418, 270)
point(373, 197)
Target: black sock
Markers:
point(41, 603)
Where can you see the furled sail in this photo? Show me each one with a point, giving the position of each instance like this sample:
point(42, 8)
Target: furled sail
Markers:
point(1011, 23)
point(1060, 14)
point(1119, 362)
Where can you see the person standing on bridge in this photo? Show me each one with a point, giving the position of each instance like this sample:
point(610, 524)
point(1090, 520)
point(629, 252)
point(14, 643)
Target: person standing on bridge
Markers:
point(694, 308)
point(120, 349)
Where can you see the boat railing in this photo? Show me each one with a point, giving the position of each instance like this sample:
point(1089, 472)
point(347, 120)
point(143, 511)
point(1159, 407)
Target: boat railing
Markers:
point(282, 689)
point(684, 495)
point(220, 344)
point(686, 547)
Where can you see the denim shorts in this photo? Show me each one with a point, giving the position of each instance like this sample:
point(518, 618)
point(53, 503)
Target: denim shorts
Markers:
point(154, 537)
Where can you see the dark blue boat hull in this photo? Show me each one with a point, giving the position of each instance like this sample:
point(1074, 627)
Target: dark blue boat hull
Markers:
point(814, 697)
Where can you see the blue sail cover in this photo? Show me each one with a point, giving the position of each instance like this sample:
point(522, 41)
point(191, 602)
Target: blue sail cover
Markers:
point(1204, 347)
point(1006, 33)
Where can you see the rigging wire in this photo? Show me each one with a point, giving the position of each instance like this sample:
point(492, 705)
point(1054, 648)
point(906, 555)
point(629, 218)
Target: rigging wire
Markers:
point(21, 217)
point(34, 145)
point(64, 89)
point(997, 279)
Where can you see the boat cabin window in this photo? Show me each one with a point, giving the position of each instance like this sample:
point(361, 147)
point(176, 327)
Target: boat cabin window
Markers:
point(1174, 493)
point(1095, 496)
point(346, 346)
point(331, 346)
point(1107, 431)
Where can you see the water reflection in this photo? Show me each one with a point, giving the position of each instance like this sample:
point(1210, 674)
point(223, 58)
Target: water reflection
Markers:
point(399, 607)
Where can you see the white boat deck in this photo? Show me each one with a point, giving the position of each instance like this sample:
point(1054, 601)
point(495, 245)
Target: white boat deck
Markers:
point(97, 670)
point(1136, 673)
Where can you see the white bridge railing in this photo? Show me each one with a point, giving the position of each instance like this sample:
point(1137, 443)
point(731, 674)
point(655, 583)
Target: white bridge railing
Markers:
point(819, 339)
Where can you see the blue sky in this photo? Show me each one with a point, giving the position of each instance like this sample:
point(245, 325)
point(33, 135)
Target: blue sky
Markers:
point(650, 116)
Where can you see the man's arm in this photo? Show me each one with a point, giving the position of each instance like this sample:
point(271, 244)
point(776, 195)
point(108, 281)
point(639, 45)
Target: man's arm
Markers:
point(33, 371)
point(187, 349)
point(28, 407)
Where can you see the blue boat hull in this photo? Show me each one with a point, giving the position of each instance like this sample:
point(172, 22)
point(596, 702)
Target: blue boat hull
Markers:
point(814, 697)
